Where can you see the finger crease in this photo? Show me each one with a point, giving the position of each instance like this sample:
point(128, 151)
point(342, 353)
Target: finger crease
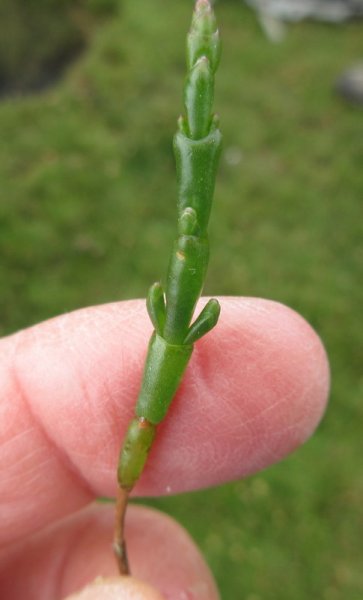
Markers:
point(60, 453)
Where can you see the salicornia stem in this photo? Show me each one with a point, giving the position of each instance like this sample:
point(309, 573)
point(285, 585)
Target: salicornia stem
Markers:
point(119, 543)
point(197, 145)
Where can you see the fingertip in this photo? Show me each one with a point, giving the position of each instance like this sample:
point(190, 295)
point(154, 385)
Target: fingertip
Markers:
point(117, 588)
point(286, 369)
point(63, 559)
point(175, 564)
point(291, 364)
point(255, 389)
point(259, 381)
point(314, 370)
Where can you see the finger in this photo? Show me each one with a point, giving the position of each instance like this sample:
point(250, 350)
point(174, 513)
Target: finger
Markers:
point(255, 389)
point(67, 556)
point(120, 588)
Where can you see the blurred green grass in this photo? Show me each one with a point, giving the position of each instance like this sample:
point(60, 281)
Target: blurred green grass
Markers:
point(87, 190)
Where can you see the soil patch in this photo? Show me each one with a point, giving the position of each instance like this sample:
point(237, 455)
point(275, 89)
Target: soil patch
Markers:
point(39, 39)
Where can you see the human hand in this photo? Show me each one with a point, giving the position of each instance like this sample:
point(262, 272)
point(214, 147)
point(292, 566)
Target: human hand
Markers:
point(255, 390)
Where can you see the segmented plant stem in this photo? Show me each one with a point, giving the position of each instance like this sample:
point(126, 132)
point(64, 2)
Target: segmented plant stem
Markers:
point(197, 145)
point(119, 543)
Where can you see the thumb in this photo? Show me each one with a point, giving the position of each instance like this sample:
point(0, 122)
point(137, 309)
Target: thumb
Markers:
point(117, 588)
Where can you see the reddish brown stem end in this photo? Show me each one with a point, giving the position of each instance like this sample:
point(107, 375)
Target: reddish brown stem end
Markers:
point(119, 544)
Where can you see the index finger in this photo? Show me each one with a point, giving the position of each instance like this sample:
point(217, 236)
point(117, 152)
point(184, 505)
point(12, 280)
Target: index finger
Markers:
point(255, 389)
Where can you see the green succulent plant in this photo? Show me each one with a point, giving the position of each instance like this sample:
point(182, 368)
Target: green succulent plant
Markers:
point(197, 146)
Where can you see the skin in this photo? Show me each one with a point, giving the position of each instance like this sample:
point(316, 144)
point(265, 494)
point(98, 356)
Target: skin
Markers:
point(255, 390)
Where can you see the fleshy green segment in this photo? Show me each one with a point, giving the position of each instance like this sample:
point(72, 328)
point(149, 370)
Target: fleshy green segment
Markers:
point(203, 53)
point(203, 38)
point(139, 438)
point(196, 166)
point(197, 146)
point(164, 368)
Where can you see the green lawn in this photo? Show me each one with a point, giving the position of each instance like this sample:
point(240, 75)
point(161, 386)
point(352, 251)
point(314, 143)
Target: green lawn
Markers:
point(87, 212)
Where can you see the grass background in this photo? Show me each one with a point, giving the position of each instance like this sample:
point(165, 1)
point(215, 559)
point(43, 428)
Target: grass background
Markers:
point(87, 190)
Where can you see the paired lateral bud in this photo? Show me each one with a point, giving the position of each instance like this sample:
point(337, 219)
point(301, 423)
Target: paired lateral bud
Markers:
point(155, 304)
point(207, 319)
